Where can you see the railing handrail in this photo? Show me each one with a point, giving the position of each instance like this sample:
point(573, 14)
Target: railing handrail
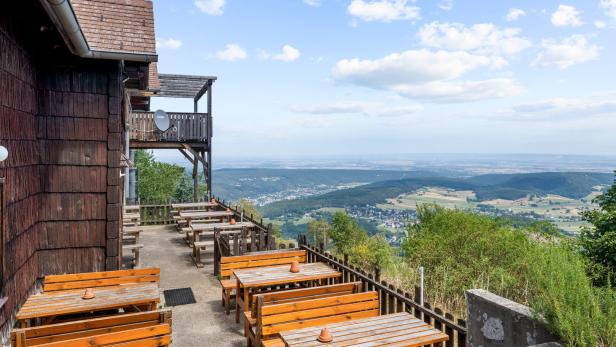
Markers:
point(382, 285)
point(392, 299)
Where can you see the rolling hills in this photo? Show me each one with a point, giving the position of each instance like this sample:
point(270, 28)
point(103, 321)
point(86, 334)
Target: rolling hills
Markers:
point(574, 185)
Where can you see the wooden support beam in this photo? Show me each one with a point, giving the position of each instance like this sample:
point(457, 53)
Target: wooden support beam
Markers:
point(203, 90)
point(194, 153)
point(186, 155)
point(195, 176)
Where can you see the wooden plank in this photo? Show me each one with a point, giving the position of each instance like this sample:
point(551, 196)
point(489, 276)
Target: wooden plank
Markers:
point(274, 329)
point(318, 303)
point(274, 297)
point(400, 329)
point(115, 337)
point(263, 255)
point(101, 275)
point(70, 302)
point(94, 323)
point(101, 282)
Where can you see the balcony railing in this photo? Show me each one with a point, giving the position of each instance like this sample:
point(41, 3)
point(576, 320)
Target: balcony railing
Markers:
point(185, 127)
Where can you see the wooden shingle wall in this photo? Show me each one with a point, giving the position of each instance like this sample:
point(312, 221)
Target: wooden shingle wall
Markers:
point(22, 190)
point(79, 130)
point(60, 120)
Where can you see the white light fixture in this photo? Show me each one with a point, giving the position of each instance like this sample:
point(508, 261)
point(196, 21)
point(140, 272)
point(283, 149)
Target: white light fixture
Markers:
point(4, 153)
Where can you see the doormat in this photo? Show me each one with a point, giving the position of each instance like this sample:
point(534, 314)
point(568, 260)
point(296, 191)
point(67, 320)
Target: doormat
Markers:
point(179, 296)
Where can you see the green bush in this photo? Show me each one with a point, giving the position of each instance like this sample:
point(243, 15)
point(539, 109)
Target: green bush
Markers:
point(461, 250)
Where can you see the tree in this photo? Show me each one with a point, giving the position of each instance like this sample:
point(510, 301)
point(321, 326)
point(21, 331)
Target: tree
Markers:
point(249, 209)
point(345, 232)
point(157, 182)
point(598, 242)
point(318, 231)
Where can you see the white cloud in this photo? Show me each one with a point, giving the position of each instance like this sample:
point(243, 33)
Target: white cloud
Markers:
point(232, 52)
point(169, 43)
point(371, 109)
point(288, 54)
point(461, 91)
point(610, 7)
point(314, 3)
point(599, 24)
point(383, 10)
point(211, 7)
point(515, 14)
point(556, 109)
point(446, 5)
point(426, 74)
point(315, 123)
point(565, 16)
point(569, 51)
point(484, 38)
point(413, 66)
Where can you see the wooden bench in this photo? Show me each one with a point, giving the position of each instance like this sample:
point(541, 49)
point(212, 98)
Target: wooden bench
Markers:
point(199, 246)
point(100, 279)
point(273, 319)
point(135, 248)
point(151, 328)
point(256, 259)
point(301, 294)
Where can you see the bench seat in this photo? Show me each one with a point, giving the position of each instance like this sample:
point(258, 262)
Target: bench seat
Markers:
point(151, 328)
point(84, 280)
point(255, 259)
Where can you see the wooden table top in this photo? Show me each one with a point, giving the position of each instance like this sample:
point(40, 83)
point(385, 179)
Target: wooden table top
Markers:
point(221, 226)
point(279, 274)
point(70, 301)
point(398, 329)
point(193, 205)
point(205, 214)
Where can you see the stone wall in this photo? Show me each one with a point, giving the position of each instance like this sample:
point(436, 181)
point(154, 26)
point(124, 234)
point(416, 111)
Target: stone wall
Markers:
point(495, 321)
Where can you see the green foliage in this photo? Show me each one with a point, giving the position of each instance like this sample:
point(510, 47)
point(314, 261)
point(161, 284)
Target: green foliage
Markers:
point(461, 250)
point(157, 181)
point(349, 238)
point(184, 190)
point(249, 209)
point(599, 241)
point(318, 231)
point(562, 295)
point(568, 184)
point(345, 232)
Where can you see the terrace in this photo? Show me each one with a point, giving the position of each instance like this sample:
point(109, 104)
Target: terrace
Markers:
point(167, 252)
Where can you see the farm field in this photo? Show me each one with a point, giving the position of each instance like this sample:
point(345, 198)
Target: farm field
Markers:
point(562, 211)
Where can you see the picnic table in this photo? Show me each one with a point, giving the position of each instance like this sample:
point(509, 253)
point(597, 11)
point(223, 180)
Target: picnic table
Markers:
point(225, 229)
point(50, 305)
point(190, 215)
point(254, 278)
point(193, 205)
point(398, 329)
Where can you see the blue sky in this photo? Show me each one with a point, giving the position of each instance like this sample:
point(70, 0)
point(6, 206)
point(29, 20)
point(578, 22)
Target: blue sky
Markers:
point(309, 77)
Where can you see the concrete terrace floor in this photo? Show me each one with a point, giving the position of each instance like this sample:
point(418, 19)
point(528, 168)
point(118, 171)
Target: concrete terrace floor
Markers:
point(204, 323)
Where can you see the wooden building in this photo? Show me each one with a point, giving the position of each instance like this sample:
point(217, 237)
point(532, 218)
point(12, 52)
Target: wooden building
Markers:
point(63, 114)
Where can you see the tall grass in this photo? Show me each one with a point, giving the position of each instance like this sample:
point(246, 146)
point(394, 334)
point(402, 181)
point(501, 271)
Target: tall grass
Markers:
point(461, 250)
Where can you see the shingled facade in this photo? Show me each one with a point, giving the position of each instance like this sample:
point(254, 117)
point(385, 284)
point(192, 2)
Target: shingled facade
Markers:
point(62, 121)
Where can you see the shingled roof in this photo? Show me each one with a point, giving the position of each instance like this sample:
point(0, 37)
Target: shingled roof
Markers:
point(125, 26)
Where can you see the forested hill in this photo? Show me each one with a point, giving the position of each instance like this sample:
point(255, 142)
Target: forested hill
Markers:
point(234, 184)
point(492, 186)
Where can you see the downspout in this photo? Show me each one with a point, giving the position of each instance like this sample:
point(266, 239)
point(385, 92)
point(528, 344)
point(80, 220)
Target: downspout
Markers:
point(62, 14)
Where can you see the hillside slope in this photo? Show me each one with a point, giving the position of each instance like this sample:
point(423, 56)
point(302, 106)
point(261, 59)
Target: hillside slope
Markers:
point(510, 186)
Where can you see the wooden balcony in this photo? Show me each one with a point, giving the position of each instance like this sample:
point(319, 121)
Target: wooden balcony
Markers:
point(186, 128)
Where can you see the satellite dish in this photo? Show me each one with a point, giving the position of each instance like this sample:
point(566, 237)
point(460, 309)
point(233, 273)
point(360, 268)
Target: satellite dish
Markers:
point(161, 120)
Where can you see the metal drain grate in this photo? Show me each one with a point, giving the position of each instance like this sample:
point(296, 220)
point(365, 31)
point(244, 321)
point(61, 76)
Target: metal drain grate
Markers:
point(179, 296)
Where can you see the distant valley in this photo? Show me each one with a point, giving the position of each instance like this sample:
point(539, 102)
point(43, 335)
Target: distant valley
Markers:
point(385, 200)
